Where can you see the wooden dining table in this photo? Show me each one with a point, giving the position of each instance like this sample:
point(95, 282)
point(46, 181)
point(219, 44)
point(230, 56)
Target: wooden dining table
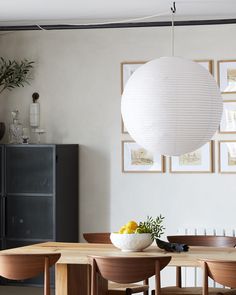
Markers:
point(73, 270)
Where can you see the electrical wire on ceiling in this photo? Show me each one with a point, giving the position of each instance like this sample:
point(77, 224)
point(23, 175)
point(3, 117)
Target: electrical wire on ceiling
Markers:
point(113, 22)
point(131, 22)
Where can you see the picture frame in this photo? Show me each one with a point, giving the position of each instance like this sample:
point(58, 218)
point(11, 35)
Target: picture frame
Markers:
point(227, 156)
point(136, 159)
point(228, 121)
point(207, 64)
point(127, 69)
point(199, 161)
point(227, 76)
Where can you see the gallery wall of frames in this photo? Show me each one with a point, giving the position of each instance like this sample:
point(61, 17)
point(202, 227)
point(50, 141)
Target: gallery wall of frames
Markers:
point(217, 156)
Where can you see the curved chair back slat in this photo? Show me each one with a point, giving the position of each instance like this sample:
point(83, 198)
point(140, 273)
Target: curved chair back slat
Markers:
point(98, 238)
point(126, 270)
point(201, 240)
point(104, 238)
point(25, 266)
point(221, 271)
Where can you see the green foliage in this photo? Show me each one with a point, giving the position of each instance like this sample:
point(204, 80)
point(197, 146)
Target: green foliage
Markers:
point(14, 74)
point(152, 226)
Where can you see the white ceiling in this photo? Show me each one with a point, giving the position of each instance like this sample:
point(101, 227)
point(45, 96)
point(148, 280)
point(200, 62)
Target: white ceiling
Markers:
point(89, 11)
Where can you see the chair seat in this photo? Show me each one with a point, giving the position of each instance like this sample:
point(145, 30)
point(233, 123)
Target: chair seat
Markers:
point(196, 290)
point(116, 289)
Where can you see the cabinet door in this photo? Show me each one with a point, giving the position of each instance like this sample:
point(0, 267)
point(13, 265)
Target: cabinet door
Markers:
point(29, 217)
point(29, 169)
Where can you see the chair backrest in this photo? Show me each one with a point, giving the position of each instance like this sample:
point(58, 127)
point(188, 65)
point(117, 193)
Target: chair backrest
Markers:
point(125, 270)
point(200, 240)
point(208, 241)
point(221, 271)
point(98, 238)
point(25, 266)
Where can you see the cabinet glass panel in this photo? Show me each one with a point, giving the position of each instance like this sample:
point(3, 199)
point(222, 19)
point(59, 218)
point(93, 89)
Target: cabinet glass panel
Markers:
point(29, 217)
point(29, 169)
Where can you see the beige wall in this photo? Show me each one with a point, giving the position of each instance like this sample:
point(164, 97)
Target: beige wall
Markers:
point(77, 74)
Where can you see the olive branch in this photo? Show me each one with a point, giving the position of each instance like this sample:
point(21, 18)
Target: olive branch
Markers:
point(152, 226)
point(14, 74)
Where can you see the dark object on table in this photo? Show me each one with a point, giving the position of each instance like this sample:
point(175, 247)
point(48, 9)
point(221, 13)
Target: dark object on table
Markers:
point(171, 247)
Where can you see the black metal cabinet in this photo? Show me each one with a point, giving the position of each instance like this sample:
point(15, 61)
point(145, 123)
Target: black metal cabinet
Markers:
point(1, 193)
point(39, 194)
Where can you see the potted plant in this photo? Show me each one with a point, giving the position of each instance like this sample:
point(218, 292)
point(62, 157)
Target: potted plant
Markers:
point(13, 74)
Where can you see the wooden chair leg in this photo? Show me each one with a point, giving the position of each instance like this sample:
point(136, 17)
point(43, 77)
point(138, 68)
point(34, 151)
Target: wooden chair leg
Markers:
point(46, 277)
point(93, 278)
point(178, 277)
point(128, 291)
point(145, 282)
point(205, 280)
point(158, 278)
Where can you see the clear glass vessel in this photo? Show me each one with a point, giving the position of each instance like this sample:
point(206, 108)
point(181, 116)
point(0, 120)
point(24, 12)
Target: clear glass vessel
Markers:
point(15, 128)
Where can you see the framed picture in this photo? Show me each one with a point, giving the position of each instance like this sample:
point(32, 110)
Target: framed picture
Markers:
point(199, 161)
point(227, 156)
point(227, 76)
point(127, 69)
point(228, 121)
point(137, 159)
point(207, 64)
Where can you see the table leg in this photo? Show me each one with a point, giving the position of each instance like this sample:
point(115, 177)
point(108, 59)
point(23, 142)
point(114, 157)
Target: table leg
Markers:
point(74, 279)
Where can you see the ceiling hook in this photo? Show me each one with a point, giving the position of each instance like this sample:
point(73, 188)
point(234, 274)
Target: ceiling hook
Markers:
point(173, 9)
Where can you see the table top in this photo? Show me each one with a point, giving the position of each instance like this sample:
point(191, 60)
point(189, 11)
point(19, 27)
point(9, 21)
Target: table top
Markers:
point(77, 253)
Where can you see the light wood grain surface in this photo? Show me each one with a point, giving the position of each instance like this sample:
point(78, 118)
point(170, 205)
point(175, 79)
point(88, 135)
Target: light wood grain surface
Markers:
point(77, 253)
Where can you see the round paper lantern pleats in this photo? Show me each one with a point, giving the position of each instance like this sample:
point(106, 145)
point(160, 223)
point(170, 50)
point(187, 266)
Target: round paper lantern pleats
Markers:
point(171, 106)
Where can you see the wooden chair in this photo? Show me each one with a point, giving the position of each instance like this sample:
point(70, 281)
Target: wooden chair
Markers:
point(221, 271)
point(207, 241)
point(127, 270)
point(114, 288)
point(99, 238)
point(195, 240)
point(25, 266)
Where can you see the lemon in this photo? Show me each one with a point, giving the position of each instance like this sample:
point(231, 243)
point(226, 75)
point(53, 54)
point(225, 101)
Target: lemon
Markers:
point(132, 225)
point(122, 229)
point(128, 231)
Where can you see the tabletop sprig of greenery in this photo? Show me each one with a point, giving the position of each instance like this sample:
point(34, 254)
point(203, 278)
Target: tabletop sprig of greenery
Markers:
point(153, 226)
point(14, 74)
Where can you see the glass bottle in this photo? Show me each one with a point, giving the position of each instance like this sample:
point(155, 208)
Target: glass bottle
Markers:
point(15, 128)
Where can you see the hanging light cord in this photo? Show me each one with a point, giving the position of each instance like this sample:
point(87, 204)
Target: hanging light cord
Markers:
point(112, 22)
point(173, 10)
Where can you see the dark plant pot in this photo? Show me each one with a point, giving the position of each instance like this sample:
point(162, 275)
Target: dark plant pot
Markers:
point(2, 129)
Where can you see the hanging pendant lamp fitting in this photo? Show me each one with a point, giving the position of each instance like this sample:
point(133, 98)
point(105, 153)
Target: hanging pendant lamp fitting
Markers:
point(171, 105)
point(173, 9)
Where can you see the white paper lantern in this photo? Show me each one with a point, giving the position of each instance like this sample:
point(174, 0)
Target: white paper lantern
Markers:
point(171, 106)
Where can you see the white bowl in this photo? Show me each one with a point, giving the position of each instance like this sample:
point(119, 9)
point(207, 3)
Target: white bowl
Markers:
point(131, 242)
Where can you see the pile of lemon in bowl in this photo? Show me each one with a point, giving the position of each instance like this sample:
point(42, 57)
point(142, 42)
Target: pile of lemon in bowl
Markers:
point(129, 228)
point(135, 236)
